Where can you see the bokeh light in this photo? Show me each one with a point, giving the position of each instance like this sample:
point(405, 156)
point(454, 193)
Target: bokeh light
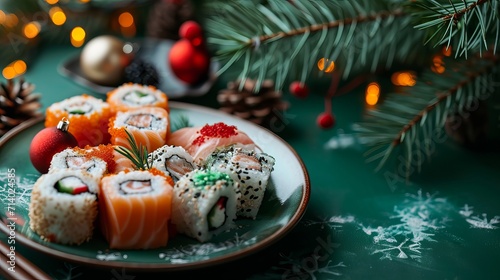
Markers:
point(3, 17)
point(403, 78)
point(326, 65)
point(372, 94)
point(446, 51)
point(57, 16)
point(126, 19)
point(51, 2)
point(438, 65)
point(77, 36)
point(14, 69)
point(31, 29)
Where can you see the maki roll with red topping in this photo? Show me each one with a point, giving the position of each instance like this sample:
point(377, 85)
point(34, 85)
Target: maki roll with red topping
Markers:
point(132, 95)
point(135, 210)
point(64, 207)
point(174, 161)
point(251, 170)
point(200, 142)
point(204, 204)
point(88, 117)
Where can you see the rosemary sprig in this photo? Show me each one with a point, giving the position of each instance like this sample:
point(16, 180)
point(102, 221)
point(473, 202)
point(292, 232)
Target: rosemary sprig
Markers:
point(138, 155)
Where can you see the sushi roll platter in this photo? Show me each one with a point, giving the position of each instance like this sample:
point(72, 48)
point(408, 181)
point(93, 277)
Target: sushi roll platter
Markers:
point(138, 184)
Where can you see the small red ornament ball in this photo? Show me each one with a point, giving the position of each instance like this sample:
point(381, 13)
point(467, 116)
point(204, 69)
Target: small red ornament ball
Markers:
point(47, 143)
point(325, 120)
point(189, 63)
point(299, 89)
point(191, 31)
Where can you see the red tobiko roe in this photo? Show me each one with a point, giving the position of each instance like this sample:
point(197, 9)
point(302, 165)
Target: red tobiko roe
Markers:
point(217, 130)
point(299, 89)
point(325, 120)
point(191, 31)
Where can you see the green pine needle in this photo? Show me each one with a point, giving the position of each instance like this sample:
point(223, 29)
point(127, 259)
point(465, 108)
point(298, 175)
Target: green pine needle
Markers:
point(138, 155)
point(414, 121)
point(282, 40)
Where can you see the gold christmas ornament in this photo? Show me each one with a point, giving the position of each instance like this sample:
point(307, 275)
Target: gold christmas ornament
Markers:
point(104, 58)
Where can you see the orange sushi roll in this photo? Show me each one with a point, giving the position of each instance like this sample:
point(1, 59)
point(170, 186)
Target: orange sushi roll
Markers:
point(88, 117)
point(201, 142)
point(132, 95)
point(150, 127)
point(135, 210)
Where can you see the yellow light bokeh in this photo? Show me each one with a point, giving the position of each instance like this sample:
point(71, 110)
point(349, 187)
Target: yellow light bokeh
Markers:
point(51, 2)
point(372, 94)
point(11, 20)
point(3, 17)
point(57, 16)
point(446, 51)
point(404, 78)
point(84, 1)
point(77, 36)
point(438, 65)
point(9, 72)
point(326, 65)
point(14, 69)
point(19, 67)
point(126, 19)
point(31, 29)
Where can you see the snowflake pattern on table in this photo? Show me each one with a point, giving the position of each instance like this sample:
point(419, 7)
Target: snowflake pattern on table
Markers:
point(23, 188)
point(110, 256)
point(202, 251)
point(477, 221)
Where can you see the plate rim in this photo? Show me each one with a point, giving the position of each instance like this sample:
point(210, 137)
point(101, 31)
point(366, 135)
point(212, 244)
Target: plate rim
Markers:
point(230, 257)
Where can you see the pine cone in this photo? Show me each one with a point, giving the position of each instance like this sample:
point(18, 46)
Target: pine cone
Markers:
point(17, 104)
point(166, 17)
point(263, 108)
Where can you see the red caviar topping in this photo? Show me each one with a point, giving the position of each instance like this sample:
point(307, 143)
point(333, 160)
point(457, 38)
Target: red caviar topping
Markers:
point(217, 130)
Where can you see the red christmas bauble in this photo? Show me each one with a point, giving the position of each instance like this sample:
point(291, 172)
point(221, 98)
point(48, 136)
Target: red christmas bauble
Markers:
point(299, 89)
point(189, 63)
point(325, 120)
point(191, 31)
point(47, 143)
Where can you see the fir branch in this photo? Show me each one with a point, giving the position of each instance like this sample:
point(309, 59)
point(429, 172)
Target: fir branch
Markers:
point(282, 40)
point(413, 119)
point(464, 25)
point(138, 155)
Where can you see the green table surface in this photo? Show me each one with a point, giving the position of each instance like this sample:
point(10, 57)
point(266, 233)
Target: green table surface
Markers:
point(359, 224)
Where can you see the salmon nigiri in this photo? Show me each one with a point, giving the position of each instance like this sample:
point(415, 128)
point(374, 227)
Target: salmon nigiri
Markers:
point(201, 142)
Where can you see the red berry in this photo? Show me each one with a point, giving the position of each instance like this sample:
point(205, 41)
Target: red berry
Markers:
point(299, 89)
point(46, 144)
point(191, 31)
point(325, 120)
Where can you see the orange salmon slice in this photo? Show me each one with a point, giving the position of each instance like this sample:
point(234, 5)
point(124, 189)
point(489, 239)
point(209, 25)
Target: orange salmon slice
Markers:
point(140, 120)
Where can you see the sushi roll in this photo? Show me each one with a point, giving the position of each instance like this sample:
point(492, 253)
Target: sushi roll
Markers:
point(135, 210)
point(172, 160)
point(71, 158)
point(88, 117)
point(132, 95)
point(149, 126)
point(202, 141)
point(63, 206)
point(204, 204)
point(251, 170)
